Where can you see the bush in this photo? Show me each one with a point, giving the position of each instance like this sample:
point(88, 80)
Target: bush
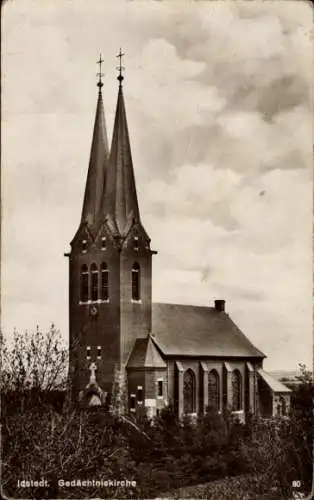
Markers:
point(160, 455)
point(42, 437)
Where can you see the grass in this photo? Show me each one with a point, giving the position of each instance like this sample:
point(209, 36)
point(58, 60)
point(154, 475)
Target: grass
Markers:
point(244, 487)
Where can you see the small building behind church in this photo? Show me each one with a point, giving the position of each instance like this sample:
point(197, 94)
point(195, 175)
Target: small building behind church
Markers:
point(159, 354)
point(274, 396)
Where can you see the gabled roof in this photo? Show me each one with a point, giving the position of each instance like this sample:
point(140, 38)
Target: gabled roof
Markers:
point(272, 383)
point(94, 189)
point(94, 400)
point(120, 201)
point(186, 330)
point(145, 355)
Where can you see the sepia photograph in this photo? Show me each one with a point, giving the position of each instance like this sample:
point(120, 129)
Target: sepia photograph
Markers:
point(156, 249)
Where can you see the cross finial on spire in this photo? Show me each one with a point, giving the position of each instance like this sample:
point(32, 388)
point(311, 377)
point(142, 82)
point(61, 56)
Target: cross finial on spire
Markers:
point(120, 68)
point(100, 74)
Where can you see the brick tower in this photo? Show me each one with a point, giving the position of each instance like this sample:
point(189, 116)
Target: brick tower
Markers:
point(110, 264)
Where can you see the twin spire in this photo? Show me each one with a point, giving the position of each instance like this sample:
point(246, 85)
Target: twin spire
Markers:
point(110, 193)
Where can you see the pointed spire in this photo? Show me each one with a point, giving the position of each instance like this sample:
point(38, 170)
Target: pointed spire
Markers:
point(94, 189)
point(120, 202)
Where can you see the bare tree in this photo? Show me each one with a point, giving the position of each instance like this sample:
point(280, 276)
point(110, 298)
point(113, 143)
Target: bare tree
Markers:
point(34, 360)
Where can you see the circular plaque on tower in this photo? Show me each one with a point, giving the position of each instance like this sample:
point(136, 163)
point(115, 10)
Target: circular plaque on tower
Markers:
point(94, 310)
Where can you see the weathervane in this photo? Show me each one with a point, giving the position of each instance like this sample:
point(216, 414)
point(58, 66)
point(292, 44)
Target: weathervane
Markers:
point(120, 68)
point(100, 74)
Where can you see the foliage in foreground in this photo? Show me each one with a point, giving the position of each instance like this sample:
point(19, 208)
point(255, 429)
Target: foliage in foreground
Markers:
point(242, 487)
point(35, 360)
point(43, 438)
point(41, 442)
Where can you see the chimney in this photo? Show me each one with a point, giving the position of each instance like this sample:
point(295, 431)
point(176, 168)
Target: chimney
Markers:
point(220, 305)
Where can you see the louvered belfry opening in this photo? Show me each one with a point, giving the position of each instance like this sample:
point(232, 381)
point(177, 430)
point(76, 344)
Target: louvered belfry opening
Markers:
point(104, 281)
point(84, 283)
point(94, 282)
point(136, 281)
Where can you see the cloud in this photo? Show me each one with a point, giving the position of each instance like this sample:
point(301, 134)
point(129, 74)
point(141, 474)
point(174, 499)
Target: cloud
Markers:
point(260, 265)
point(196, 191)
point(218, 105)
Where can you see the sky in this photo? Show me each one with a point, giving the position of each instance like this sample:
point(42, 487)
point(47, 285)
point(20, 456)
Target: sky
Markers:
point(220, 119)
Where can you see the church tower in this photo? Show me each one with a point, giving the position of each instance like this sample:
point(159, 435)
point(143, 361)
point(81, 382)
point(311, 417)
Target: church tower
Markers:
point(110, 262)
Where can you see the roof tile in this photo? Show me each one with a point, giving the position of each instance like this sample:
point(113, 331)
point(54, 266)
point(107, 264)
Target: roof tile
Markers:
point(198, 331)
point(272, 383)
point(145, 355)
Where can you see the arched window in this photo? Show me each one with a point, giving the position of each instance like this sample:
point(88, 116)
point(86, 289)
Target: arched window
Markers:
point(104, 282)
point(213, 389)
point(236, 390)
point(136, 280)
point(94, 271)
point(189, 391)
point(84, 283)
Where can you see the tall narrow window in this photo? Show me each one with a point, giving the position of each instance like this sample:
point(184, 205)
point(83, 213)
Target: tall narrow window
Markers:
point(132, 402)
point(189, 391)
point(136, 292)
point(236, 390)
point(103, 243)
point(94, 271)
point(104, 282)
point(84, 246)
point(213, 389)
point(160, 388)
point(135, 241)
point(84, 283)
point(139, 393)
point(87, 352)
point(98, 351)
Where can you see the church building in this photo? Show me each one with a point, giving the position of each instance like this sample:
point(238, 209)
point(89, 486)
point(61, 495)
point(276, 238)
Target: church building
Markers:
point(123, 346)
